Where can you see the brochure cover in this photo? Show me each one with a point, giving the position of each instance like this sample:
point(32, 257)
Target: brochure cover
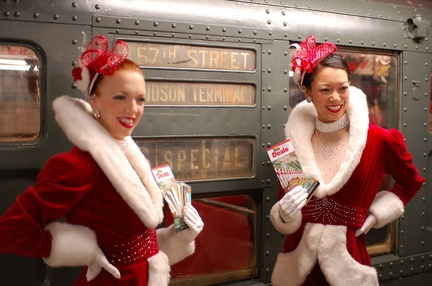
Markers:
point(288, 169)
point(176, 194)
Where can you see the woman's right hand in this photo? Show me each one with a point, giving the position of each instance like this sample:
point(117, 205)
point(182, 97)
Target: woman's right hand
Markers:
point(100, 261)
point(292, 202)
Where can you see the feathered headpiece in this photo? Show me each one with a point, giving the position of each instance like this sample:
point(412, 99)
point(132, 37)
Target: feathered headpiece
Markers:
point(307, 56)
point(96, 59)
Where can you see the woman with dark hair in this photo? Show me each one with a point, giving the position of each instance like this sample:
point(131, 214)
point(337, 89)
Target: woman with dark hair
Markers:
point(335, 144)
point(103, 187)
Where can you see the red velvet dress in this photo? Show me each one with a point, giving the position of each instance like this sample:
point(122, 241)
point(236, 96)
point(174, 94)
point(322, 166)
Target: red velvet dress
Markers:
point(72, 185)
point(110, 200)
point(321, 246)
point(384, 153)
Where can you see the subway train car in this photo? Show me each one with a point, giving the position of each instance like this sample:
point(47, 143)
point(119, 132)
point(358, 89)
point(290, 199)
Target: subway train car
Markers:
point(219, 91)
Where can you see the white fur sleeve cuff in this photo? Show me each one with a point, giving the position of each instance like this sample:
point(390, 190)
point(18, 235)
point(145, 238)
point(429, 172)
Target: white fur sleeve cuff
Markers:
point(386, 207)
point(72, 245)
point(281, 226)
point(173, 244)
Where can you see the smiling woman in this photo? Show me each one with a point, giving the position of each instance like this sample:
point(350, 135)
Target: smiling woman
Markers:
point(118, 100)
point(103, 187)
point(337, 146)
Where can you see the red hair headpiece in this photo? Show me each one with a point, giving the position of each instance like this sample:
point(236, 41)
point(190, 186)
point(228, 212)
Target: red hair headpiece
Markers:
point(96, 59)
point(307, 56)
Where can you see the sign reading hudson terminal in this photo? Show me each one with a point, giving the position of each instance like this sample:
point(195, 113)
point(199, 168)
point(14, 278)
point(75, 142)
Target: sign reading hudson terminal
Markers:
point(188, 93)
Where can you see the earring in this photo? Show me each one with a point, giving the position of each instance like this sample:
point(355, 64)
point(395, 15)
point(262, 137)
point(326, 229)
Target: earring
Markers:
point(96, 114)
point(308, 99)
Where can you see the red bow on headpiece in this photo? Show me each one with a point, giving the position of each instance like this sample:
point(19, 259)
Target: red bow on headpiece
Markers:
point(97, 59)
point(307, 56)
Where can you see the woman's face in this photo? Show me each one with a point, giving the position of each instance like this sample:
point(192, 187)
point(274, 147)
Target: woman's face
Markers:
point(120, 101)
point(330, 93)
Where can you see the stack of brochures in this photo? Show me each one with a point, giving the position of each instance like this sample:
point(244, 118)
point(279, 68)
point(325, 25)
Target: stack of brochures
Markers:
point(176, 194)
point(288, 168)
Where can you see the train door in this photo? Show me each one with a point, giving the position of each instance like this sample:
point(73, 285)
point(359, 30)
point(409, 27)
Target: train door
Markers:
point(29, 134)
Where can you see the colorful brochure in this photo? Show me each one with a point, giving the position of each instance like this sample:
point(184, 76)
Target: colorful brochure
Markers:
point(176, 194)
point(288, 169)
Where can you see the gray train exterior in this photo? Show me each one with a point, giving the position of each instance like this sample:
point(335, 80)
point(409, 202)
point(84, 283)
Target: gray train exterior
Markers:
point(265, 27)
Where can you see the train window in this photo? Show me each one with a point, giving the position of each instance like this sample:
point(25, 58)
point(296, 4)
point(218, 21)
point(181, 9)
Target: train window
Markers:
point(202, 94)
point(176, 56)
point(19, 94)
point(376, 75)
point(230, 229)
point(202, 158)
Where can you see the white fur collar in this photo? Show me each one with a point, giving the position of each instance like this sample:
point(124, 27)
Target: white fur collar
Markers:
point(129, 173)
point(301, 125)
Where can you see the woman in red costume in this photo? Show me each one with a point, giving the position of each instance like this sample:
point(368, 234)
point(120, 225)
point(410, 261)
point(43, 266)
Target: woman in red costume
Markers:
point(335, 144)
point(103, 187)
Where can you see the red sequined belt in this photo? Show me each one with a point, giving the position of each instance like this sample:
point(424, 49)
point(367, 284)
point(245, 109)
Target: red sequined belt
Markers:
point(329, 211)
point(133, 250)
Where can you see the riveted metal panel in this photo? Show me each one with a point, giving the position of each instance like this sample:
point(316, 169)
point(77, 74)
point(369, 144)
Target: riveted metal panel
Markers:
point(274, 115)
point(413, 121)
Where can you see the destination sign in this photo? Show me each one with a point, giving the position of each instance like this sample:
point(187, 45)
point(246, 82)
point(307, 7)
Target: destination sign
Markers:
point(199, 94)
point(202, 158)
point(191, 57)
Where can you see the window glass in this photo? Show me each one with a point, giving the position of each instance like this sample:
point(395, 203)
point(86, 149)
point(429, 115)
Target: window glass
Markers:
point(230, 231)
point(19, 94)
point(376, 75)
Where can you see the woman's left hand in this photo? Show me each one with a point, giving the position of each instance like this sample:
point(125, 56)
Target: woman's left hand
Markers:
point(194, 221)
point(370, 221)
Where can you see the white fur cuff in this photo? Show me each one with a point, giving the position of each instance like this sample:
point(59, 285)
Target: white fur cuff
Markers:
point(386, 207)
point(173, 244)
point(72, 245)
point(281, 226)
point(159, 270)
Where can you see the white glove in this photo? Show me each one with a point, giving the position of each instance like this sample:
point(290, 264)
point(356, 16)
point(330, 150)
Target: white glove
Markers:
point(100, 261)
point(292, 202)
point(194, 221)
point(370, 221)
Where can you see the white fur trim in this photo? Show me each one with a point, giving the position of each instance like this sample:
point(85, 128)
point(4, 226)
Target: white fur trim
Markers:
point(301, 125)
point(134, 186)
point(72, 245)
point(327, 245)
point(142, 168)
point(386, 207)
point(292, 268)
point(159, 270)
point(338, 266)
point(174, 244)
point(281, 226)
